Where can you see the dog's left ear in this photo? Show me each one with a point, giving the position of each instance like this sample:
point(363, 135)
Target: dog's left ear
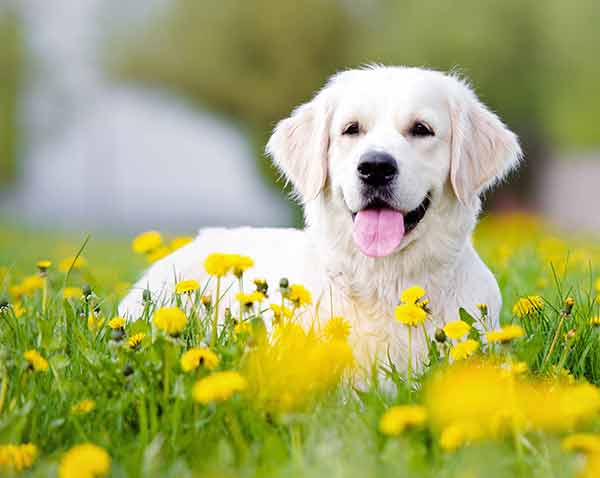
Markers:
point(299, 146)
point(484, 150)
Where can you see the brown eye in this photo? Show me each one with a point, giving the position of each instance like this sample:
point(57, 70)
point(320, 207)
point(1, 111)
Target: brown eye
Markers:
point(352, 129)
point(420, 129)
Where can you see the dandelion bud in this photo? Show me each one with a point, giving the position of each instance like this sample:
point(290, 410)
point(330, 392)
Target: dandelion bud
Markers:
point(146, 295)
point(227, 313)
point(127, 370)
point(569, 303)
point(3, 304)
point(87, 291)
point(43, 266)
point(284, 283)
point(117, 334)
point(483, 309)
point(261, 286)
point(206, 301)
point(440, 336)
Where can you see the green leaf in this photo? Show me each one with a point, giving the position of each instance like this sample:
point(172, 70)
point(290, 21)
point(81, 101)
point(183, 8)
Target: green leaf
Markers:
point(139, 326)
point(59, 361)
point(466, 317)
point(530, 348)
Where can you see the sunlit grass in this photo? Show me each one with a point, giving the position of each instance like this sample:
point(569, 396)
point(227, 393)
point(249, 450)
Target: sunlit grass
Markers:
point(172, 394)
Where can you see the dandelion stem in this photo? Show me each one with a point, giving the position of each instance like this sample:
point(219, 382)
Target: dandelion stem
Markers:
point(213, 337)
point(241, 285)
point(236, 436)
point(409, 367)
point(296, 442)
point(166, 367)
point(143, 418)
point(554, 340)
point(3, 389)
point(44, 294)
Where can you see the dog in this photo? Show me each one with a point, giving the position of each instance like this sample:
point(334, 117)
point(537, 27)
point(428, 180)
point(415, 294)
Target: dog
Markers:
point(389, 164)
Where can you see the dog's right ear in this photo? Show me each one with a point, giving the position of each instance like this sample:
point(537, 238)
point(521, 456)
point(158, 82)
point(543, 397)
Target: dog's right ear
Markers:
point(299, 147)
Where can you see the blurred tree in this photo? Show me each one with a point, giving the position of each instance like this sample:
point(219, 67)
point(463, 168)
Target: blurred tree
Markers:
point(531, 62)
point(11, 57)
point(495, 44)
point(251, 60)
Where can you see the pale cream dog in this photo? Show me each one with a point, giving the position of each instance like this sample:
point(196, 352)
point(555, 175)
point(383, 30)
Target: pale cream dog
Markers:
point(389, 163)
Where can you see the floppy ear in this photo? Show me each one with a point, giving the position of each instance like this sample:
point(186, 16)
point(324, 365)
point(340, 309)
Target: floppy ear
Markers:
point(299, 146)
point(484, 150)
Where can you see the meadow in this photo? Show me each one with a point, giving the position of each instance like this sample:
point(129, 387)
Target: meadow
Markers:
point(83, 393)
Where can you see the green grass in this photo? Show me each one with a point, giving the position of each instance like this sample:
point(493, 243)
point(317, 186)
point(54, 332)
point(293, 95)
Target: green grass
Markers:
point(152, 432)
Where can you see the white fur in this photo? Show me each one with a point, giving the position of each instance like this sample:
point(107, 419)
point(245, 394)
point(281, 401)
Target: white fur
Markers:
point(470, 151)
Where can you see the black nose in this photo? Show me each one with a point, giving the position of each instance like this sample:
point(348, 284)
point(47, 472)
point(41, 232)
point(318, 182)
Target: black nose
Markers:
point(376, 168)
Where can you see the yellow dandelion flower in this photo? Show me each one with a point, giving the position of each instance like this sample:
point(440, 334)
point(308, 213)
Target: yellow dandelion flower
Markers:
point(598, 285)
point(171, 320)
point(591, 468)
point(456, 329)
point(18, 309)
point(287, 312)
point(337, 328)
point(43, 265)
point(595, 320)
point(32, 283)
point(83, 407)
point(74, 263)
point(582, 442)
point(72, 293)
point(410, 314)
point(242, 328)
point(135, 341)
point(17, 291)
point(17, 457)
point(412, 295)
point(187, 286)
point(519, 368)
point(455, 436)
point(299, 295)
point(36, 361)
point(84, 461)
point(528, 305)
point(465, 349)
point(240, 264)
point(505, 334)
point(395, 420)
point(249, 299)
point(94, 321)
point(260, 283)
point(158, 254)
point(217, 264)
point(218, 387)
point(147, 242)
point(117, 323)
point(198, 357)
point(180, 241)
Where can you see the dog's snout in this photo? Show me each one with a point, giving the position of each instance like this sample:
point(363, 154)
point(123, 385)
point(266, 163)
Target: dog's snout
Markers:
point(377, 168)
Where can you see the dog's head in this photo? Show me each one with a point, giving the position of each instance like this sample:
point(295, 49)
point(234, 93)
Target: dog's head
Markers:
point(384, 143)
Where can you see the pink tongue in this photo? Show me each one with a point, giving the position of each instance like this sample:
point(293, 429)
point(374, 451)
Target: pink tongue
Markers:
point(377, 232)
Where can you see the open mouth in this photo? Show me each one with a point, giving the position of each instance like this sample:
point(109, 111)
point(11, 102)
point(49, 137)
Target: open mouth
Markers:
point(411, 219)
point(379, 228)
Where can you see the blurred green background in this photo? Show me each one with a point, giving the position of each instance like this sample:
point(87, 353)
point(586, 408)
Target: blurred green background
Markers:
point(251, 62)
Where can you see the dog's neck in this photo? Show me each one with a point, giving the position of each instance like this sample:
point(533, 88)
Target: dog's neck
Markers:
point(428, 259)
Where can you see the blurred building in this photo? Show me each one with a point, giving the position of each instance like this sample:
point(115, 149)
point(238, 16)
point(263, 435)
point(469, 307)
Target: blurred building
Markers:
point(105, 156)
